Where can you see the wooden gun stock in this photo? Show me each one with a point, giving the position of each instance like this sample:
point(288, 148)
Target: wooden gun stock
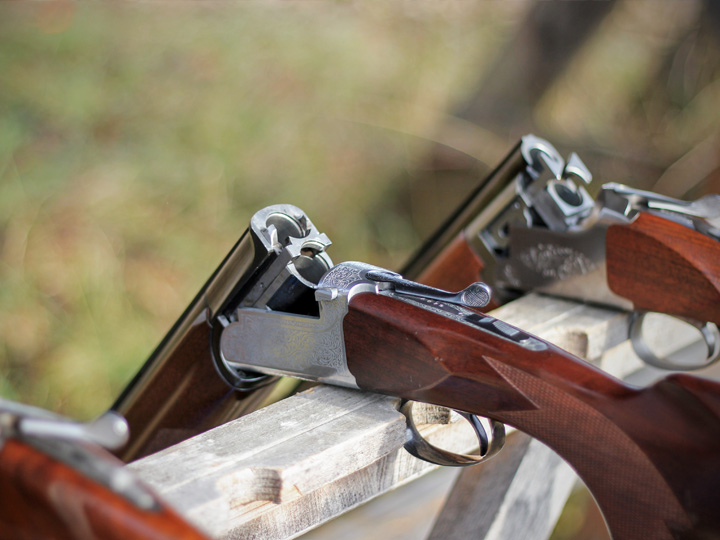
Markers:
point(665, 267)
point(455, 267)
point(43, 497)
point(650, 456)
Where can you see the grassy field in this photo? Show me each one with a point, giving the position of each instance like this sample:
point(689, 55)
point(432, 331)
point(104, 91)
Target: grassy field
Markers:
point(137, 140)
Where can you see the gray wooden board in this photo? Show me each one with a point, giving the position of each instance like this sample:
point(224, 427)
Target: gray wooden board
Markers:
point(286, 469)
point(508, 509)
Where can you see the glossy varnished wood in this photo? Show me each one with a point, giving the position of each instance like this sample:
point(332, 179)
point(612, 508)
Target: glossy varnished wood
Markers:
point(456, 267)
point(662, 266)
point(44, 498)
point(651, 457)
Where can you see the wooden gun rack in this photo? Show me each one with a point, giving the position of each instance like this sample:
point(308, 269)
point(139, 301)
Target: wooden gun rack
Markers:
point(294, 465)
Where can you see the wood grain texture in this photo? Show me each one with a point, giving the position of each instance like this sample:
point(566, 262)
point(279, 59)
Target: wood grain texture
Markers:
point(44, 498)
point(662, 266)
point(455, 268)
point(186, 396)
point(640, 451)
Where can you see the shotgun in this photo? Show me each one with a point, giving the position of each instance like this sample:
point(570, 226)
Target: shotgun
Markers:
point(650, 456)
point(57, 482)
point(532, 226)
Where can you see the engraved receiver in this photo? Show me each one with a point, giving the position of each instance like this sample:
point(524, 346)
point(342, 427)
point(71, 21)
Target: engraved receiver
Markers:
point(532, 226)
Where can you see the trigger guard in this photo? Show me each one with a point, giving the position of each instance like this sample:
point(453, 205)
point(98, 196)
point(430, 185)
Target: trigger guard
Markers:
point(708, 331)
point(419, 447)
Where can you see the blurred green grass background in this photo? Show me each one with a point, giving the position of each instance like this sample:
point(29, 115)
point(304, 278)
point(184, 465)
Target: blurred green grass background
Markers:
point(136, 140)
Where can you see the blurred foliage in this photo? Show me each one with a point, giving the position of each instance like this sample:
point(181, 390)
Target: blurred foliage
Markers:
point(137, 140)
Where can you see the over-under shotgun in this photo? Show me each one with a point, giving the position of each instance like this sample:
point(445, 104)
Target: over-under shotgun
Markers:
point(650, 456)
point(181, 389)
point(532, 226)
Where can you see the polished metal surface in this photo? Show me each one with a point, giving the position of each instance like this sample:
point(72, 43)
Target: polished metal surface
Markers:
point(476, 295)
point(109, 430)
point(702, 215)
point(561, 263)
point(307, 347)
point(277, 343)
point(298, 255)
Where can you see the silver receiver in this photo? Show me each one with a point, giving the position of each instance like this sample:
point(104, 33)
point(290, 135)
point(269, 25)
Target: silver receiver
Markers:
point(289, 260)
point(313, 347)
point(543, 232)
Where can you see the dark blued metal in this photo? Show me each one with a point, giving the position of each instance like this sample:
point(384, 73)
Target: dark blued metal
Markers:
point(475, 295)
point(490, 441)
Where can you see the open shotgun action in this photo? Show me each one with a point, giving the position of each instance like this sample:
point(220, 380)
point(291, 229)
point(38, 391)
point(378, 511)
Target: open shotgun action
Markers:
point(178, 393)
point(532, 226)
point(649, 456)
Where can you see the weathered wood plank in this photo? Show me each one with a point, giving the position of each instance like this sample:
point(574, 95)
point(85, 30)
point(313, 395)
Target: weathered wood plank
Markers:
point(287, 468)
point(505, 509)
point(291, 466)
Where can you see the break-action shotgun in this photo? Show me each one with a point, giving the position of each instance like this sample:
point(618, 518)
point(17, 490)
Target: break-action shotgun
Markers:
point(179, 392)
point(650, 456)
point(532, 226)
